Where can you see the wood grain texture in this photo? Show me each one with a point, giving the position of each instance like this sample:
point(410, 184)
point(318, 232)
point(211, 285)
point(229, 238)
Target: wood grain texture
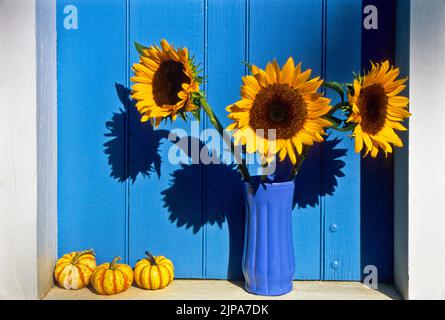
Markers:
point(46, 39)
point(341, 165)
point(18, 142)
point(166, 211)
point(293, 28)
point(223, 198)
point(119, 193)
point(91, 205)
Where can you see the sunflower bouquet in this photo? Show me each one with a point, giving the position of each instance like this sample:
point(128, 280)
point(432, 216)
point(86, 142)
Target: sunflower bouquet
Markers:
point(288, 101)
point(282, 113)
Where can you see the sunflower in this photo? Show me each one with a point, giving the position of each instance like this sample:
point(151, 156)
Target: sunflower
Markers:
point(165, 79)
point(378, 109)
point(282, 100)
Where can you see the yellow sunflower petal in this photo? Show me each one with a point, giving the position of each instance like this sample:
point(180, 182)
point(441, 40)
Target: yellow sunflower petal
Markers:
point(298, 144)
point(282, 153)
point(290, 152)
point(252, 83)
point(374, 152)
point(301, 78)
point(398, 101)
point(358, 139)
point(287, 73)
point(273, 72)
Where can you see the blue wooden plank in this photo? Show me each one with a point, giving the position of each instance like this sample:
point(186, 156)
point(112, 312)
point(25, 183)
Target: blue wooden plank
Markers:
point(341, 165)
point(91, 203)
point(224, 206)
point(279, 29)
point(377, 186)
point(165, 211)
point(110, 195)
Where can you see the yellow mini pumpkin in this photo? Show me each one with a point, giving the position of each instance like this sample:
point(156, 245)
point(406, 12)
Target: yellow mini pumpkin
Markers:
point(74, 270)
point(153, 273)
point(112, 278)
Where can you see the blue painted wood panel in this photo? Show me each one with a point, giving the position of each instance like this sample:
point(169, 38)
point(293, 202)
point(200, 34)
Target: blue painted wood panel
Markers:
point(340, 163)
point(119, 193)
point(91, 203)
point(279, 29)
point(166, 209)
point(223, 201)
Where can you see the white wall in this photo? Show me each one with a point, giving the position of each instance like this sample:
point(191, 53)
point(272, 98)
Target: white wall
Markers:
point(18, 174)
point(23, 219)
point(427, 151)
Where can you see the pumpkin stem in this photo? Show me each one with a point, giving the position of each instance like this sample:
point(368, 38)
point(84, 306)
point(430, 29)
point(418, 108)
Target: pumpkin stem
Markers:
point(82, 253)
point(151, 259)
point(114, 262)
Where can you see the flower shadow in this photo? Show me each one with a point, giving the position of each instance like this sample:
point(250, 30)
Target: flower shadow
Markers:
point(221, 199)
point(133, 147)
point(220, 202)
point(323, 161)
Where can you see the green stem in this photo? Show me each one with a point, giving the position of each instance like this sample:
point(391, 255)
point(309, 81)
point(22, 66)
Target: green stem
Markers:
point(217, 124)
point(342, 129)
point(337, 87)
point(299, 163)
point(82, 253)
point(338, 106)
point(114, 262)
point(151, 258)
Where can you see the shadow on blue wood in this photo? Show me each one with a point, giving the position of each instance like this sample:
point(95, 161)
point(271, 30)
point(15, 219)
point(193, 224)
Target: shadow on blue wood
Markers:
point(307, 189)
point(377, 175)
point(315, 32)
point(225, 202)
point(225, 205)
point(144, 145)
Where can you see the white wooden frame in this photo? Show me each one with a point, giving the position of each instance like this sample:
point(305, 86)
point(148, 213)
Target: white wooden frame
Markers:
point(28, 139)
point(420, 175)
point(28, 133)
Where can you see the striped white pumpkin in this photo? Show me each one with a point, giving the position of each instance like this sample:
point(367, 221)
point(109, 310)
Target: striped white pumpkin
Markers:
point(73, 271)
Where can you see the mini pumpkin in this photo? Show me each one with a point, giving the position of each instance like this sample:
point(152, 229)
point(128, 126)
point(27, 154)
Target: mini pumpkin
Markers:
point(73, 271)
point(112, 278)
point(153, 273)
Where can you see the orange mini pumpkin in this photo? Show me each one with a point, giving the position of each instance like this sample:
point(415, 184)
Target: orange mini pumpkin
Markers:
point(74, 270)
point(112, 278)
point(153, 273)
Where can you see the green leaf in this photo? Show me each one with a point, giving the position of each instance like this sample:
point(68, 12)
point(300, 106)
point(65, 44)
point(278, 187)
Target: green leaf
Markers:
point(335, 121)
point(197, 114)
point(140, 48)
point(333, 85)
point(350, 127)
point(338, 87)
point(196, 98)
point(183, 116)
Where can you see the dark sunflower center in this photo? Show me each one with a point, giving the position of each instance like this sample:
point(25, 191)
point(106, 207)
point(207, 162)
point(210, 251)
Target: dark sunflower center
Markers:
point(278, 112)
point(373, 106)
point(167, 82)
point(278, 107)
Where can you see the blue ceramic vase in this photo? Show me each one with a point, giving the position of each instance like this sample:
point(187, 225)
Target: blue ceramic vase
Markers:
point(268, 260)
